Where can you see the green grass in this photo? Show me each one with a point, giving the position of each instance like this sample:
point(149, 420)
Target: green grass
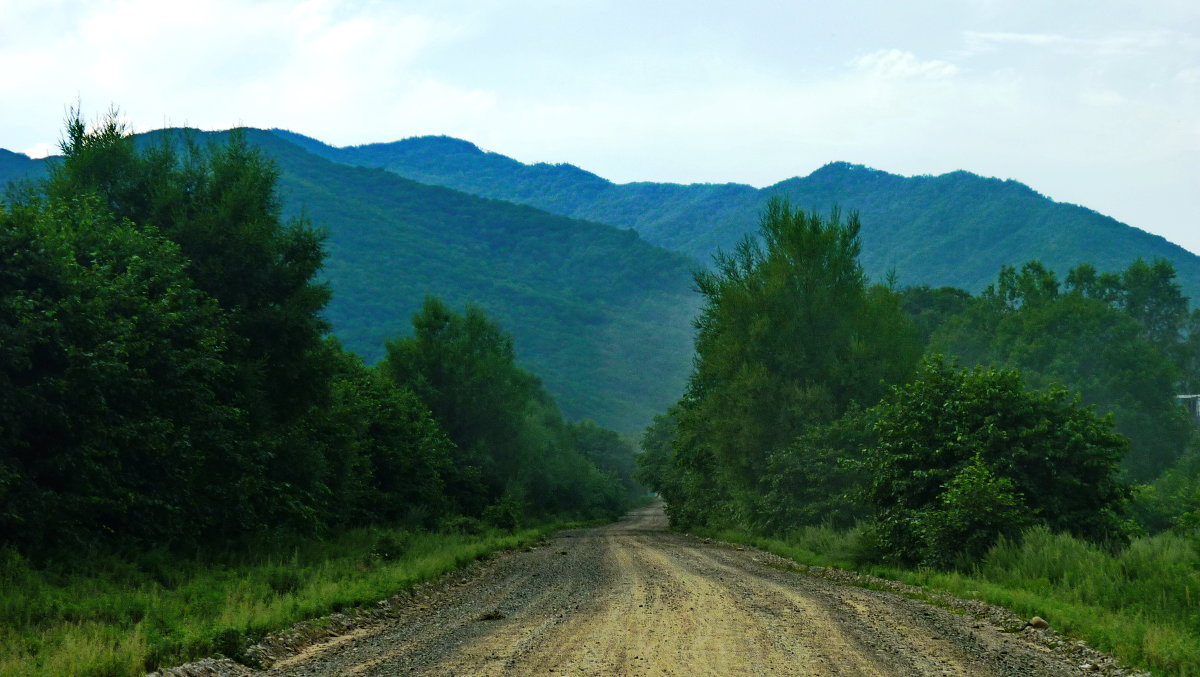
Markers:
point(118, 616)
point(1141, 604)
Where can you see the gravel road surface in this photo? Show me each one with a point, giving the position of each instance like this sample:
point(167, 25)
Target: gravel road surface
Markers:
point(634, 598)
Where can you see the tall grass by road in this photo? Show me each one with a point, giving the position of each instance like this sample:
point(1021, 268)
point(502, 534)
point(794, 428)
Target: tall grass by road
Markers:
point(122, 616)
point(1141, 604)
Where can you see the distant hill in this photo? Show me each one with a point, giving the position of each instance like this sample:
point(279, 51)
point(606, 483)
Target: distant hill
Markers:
point(599, 314)
point(17, 166)
point(954, 229)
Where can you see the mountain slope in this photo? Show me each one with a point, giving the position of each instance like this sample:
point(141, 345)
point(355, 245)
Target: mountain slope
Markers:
point(954, 229)
point(602, 316)
point(17, 166)
point(662, 212)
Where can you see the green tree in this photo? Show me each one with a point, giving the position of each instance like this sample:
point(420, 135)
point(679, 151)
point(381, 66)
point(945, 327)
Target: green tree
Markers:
point(1153, 298)
point(464, 369)
point(964, 456)
point(816, 479)
point(1089, 341)
point(790, 335)
point(608, 452)
point(1173, 498)
point(513, 456)
point(111, 365)
point(219, 204)
point(385, 455)
point(930, 308)
point(657, 448)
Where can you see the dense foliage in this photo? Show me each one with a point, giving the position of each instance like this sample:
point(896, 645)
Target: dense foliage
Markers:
point(165, 377)
point(584, 301)
point(962, 457)
point(112, 373)
point(798, 413)
point(1115, 338)
point(512, 452)
point(773, 360)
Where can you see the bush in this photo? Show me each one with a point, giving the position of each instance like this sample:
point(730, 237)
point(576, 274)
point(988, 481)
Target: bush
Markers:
point(976, 508)
point(283, 579)
point(965, 456)
point(461, 524)
point(506, 513)
point(392, 545)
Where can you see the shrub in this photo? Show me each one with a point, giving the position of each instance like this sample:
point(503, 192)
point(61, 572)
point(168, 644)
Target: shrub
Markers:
point(965, 456)
point(392, 545)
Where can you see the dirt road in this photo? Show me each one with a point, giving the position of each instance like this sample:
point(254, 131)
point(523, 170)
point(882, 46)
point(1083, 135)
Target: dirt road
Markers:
point(636, 599)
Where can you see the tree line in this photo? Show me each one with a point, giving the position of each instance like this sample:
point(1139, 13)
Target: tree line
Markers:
point(167, 377)
point(936, 419)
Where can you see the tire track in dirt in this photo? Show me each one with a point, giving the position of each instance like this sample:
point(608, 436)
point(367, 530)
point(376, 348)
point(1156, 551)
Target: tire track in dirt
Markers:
point(634, 598)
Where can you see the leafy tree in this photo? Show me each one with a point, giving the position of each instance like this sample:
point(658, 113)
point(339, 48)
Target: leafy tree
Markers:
point(974, 510)
point(1151, 296)
point(558, 478)
point(513, 455)
point(220, 204)
point(965, 456)
point(684, 475)
point(816, 479)
point(111, 363)
point(384, 455)
point(608, 452)
point(930, 308)
point(654, 462)
point(463, 367)
point(790, 336)
point(1173, 498)
point(1089, 341)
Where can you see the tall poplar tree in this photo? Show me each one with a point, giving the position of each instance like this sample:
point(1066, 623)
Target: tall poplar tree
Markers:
point(790, 336)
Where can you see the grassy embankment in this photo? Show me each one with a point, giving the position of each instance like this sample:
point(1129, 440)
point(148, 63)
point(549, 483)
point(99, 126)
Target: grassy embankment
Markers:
point(1141, 604)
point(118, 616)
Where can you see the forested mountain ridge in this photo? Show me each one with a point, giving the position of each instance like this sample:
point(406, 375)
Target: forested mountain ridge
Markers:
point(582, 299)
point(661, 212)
point(17, 166)
point(601, 315)
point(955, 229)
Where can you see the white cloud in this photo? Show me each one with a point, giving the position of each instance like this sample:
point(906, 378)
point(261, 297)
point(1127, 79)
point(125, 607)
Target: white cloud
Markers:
point(894, 63)
point(1118, 44)
point(41, 150)
point(221, 63)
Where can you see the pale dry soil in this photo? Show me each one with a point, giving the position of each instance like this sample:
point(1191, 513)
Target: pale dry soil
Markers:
point(634, 598)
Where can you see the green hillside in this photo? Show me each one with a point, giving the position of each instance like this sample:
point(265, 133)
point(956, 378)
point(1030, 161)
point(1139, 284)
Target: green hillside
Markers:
point(16, 166)
point(664, 213)
point(602, 316)
point(954, 229)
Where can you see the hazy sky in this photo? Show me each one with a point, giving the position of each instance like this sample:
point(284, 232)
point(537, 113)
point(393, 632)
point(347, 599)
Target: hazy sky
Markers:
point(1096, 103)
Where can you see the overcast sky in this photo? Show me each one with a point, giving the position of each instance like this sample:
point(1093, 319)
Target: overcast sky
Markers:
point(1096, 103)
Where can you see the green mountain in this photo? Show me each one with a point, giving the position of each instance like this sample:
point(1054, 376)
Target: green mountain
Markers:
point(599, 314)
point(17, 166)
point(954, 229)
